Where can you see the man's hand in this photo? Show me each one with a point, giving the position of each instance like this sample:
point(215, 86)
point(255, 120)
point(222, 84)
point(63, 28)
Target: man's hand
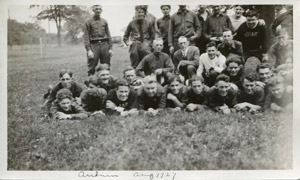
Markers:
point(214, 38)
point(62, 116)
point(233, 86)
point(110, 105)
point(171, 97)
point(133, 112)
point(78, 100)
point(192, 38)
point(98, 113)
point(260, 84)
point(226, 111)
point(110, 52)
point(191, 107)
point(275, 107)
point(158, 71)
point(171, 49)
point(261, 22)
point(90, 54)
point(240, 106)
point(151, 112)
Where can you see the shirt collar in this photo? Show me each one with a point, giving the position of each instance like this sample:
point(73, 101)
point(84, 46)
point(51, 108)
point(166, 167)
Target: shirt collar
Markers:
point(166, 17)
point(97, 17)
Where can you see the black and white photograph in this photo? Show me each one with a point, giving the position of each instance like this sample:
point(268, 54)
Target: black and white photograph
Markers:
point(140, 90)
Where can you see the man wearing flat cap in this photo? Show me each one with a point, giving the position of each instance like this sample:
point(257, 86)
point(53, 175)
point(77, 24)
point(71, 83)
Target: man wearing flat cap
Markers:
point(97, 40)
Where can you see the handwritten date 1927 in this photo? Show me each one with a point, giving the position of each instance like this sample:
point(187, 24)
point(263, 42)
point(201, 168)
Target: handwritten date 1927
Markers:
point(160, 175)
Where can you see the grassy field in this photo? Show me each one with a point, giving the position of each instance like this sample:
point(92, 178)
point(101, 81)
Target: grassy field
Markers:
point(182, 141)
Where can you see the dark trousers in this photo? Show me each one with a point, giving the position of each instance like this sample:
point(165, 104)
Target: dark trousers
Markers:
point(187, 71)
point(100, 50)
point(138, 50)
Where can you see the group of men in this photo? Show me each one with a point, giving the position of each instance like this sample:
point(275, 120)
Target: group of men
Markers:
point(190, 61)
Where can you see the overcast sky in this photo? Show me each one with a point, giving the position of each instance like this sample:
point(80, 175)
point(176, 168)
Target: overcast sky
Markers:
point(118, 17)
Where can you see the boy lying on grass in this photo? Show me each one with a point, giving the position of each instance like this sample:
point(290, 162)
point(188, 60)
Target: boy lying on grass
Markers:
point(197, 94)
point(222, 97)
point(251, 96)
point(151, 97)
point(65, 108)
point(176, 94)
point(122, 100)
point(93, 98)
point(279, 97)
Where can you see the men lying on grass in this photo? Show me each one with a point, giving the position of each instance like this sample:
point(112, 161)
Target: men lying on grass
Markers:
point(286, 69)
point(234, 69)
point(122, 100)
point(105, 80)
point(65, 81)
point(93, 98)
point(222, 96)
point(250, 97)
point(176, 94)
point(279, 98)
point(211, 64)
point(265, 73)
point(197, 94)
point(151, 97)
point(131, 78)
point(157, 62)
point(65, 108)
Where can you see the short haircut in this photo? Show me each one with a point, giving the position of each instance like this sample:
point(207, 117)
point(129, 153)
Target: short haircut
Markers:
point(238, 6)
point(251, 77)
point(183, 37)
point(263, 66)
point(157, 39)
point(122, 82)
point(275, 80)
point(162, 6)
point(234, 59)
point(174, 78)
point(128, 69)
point(95, 6)
point(227, 29)
point(211, 44)
point(251, 13)
point(101, 67)
point(195, 78)
point(149, 80)
point(281, 32)
point(93, 80)
point(65, 71)
point(63, 94)
point(222, 77)
point(142, 7)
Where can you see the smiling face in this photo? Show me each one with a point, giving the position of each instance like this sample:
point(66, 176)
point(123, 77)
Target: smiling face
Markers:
point(140, 14)
point(264, 75)
point(65, 104)
point(251, 21)
point(216, 10)
point(197, 87)
point(238, 10)
point(211, 52)
point(223, 88)
point(66, 80)
point(150, 89)
point(233, 69)
point(174, 87)
point(104, 76)
point(277, 90)
point(122, 93)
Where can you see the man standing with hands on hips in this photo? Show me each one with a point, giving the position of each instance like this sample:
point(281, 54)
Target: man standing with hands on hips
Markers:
point(97, 40)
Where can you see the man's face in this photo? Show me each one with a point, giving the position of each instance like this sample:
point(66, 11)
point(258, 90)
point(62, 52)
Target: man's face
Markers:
point(223, 88)
point(283, 39)
point(216, 10)
point(104, 76)
point(97, 11)
point(66, 81)
point(264, 75)
point(129, 76)
point(227, 37)
point(165, 10)
point(158, 46)
point(182, 7)
point(123, 93)
point(65, 104)
point(233, 69)
point(140, 14)
point(211, 52)
point(238, 11)
point(150, 89)
point(251, 21)
point(183, 43)
point(248, 86)
point(174, 87)
point(278, 90)
point(201, 9)
point(92, 86)
point(197, 87)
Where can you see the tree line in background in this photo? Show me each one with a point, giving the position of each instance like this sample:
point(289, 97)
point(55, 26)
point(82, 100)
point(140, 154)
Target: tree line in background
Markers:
point(69, 20)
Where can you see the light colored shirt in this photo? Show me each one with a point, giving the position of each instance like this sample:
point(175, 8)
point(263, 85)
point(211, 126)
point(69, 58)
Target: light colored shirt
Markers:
point(237, 22)
point(205, 63)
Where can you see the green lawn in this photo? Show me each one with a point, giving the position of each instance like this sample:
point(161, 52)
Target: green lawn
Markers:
point(181, 141)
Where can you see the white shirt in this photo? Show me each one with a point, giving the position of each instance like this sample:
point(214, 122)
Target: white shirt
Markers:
point(237, 22)
point(205, 63)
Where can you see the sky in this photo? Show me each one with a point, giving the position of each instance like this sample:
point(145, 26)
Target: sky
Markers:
point(117, 17)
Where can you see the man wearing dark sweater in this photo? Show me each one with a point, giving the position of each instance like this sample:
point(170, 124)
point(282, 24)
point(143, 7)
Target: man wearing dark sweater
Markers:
point(253, 37)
